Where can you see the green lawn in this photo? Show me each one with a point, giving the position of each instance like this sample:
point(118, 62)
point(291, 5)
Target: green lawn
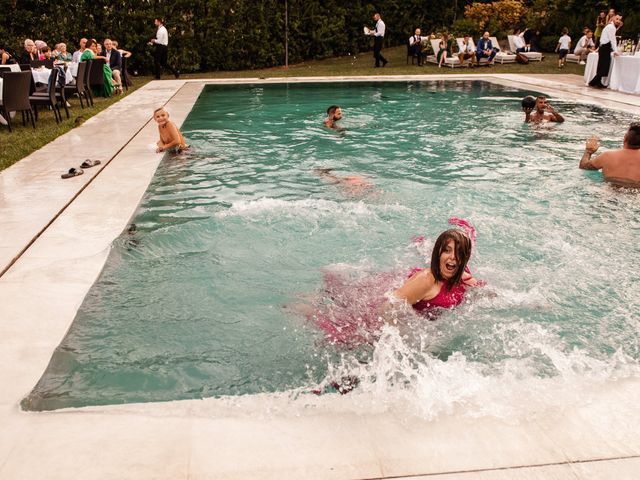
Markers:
point(24, 140)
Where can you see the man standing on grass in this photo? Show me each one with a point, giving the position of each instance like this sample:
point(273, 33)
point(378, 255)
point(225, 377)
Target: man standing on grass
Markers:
point(378, 39)
point(161, 44)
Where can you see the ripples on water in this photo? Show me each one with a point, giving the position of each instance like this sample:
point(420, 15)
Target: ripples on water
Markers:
point(202, 298)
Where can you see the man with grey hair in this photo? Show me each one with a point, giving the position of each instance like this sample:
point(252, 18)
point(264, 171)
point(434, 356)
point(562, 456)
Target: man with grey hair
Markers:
point(78, 53)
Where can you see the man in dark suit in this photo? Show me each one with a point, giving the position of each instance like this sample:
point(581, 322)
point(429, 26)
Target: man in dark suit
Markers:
point(115, 62)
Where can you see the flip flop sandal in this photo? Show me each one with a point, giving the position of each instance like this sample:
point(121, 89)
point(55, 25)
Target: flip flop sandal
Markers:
point(90, 163)
point(73, 172)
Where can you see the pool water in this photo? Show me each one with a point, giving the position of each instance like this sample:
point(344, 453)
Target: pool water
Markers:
point(208, 293)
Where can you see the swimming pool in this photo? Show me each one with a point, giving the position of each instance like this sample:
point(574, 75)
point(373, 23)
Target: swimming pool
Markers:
point(200, 299)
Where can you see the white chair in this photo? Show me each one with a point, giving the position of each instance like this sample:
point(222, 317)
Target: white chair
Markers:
point(532, 56)
point(483, 60)
point(449, 61)
point(572, 57)
point(501, 56)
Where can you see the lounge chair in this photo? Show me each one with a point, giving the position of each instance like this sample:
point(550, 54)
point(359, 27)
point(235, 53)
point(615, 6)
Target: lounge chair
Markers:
point(502, 56)
point(448, 62)
point(483, 61)
point(532, 56)
point(572, 57)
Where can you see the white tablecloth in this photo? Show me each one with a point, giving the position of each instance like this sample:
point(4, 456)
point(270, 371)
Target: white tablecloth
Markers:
point(14, 67)
point(42, 75)
point(592, 67)
point(625, 74)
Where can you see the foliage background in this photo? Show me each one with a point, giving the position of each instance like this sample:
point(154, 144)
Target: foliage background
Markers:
point(243, 34)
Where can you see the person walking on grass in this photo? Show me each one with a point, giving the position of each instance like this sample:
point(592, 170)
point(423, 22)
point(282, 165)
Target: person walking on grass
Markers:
point(161, 45)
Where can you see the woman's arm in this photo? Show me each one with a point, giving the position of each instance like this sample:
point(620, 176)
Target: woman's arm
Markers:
point(418, 287)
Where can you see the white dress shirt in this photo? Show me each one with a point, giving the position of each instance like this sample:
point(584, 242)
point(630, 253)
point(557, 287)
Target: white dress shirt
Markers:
point(564, 42)
point(518, 41)
point(162, 36)
point(584, 44)
point(380, 27)
point(609, 36)
point(415, 39)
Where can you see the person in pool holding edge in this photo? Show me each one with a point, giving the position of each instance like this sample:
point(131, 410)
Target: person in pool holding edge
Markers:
point(619, 167)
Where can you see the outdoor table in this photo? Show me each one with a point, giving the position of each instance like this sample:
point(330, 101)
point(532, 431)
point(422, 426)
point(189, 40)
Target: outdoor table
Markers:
point(592, 67)
point(14, 67)
point(625, 74)
point(41, 75)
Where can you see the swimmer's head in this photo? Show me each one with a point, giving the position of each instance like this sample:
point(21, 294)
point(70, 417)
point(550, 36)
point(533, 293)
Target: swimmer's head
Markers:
point(334, 112)
point(541, 103)
point(160, 115)
point(450, 256)
point(528, 102)
point(632, 137)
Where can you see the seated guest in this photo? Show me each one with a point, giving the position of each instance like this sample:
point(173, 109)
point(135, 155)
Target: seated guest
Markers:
point(114, 60)
point(45, 53)
point(467, 51)
point(585, 45)
point(518, 41)
point(541, 112)
point(5, 57)
point(415, 45)
point(29, 54)
point(445, 49)
point(63, 55)
point(78, 53)
point(619, 167)
point(90, 53)
point(123, 52)
point(40, 45)
point(485, 49)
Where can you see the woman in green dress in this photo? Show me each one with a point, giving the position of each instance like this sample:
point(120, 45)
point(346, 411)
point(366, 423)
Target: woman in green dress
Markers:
point(601, 22)
point(91, 52)
point(445, 49)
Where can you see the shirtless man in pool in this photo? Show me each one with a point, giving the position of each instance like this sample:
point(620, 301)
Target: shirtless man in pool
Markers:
point(619, 167)
point(334, 113)
point(542, 112)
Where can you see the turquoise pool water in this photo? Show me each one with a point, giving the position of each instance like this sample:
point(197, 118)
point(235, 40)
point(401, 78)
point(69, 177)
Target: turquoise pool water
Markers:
point(206, 296)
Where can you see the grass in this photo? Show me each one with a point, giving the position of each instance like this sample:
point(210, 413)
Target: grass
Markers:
point(24, 140)
point(362, 64)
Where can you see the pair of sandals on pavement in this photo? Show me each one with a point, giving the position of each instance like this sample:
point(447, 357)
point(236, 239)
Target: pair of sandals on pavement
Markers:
point(74, 172)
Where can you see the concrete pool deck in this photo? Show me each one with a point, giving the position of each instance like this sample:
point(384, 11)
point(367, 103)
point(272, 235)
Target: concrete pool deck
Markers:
point(56, 236)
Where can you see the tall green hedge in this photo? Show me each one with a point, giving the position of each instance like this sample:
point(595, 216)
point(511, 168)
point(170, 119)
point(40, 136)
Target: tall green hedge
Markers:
point(243, 34)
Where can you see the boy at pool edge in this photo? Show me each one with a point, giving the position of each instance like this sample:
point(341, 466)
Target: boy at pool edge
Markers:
point(170, 136)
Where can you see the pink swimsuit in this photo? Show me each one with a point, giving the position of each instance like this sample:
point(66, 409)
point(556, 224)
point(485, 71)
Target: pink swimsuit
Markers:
point(446, 298)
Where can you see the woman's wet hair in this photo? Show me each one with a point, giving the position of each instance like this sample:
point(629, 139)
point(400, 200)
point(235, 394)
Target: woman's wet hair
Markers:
point(632, 138)
point(463, 252)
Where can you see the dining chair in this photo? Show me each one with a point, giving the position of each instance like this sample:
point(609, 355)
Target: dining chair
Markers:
point(49, 99)
point(15, 96)
point(79, 88)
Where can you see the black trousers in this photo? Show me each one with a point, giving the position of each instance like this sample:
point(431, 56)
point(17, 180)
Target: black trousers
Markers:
point(160, 60)
point(377, 48)
point(604, 63)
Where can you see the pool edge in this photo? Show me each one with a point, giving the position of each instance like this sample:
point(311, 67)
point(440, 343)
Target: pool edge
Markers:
point(249, 441)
